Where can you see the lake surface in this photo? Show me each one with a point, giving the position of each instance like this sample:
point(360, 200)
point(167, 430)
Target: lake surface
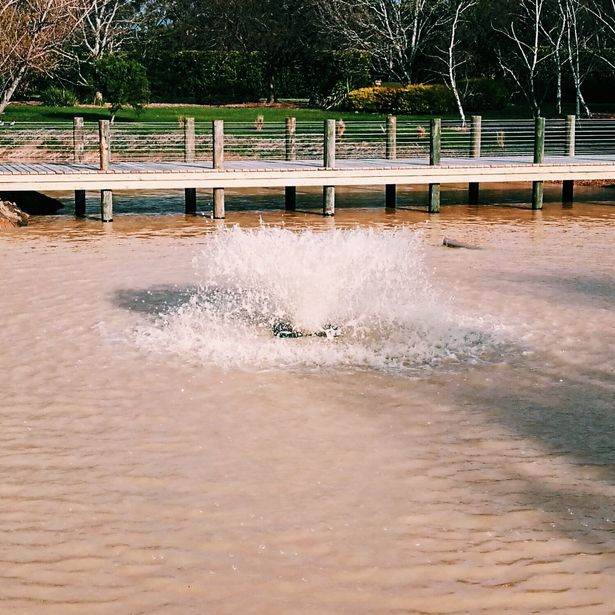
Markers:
point(451, 451)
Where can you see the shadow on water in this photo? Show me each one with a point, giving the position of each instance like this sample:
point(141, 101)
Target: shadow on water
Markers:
point(154, 301)
point(576, 290)
point(570, 420)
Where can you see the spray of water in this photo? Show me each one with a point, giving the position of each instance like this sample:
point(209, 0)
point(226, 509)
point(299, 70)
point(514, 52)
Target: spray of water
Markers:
point(359, 298)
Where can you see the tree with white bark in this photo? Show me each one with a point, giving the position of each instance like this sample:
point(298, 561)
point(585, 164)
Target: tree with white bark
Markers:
point(527, 52)
point(393, 32)
point(106, 27)
point(448, 53)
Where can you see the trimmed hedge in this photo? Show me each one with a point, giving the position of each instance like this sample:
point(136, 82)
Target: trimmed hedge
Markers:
point(409, 100)
point(212, 76)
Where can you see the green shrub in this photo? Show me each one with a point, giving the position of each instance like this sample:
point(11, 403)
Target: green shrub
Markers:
point(485, 95)
point(122, 82)
point(408, 100)
point(424, 100)
point(55, 96)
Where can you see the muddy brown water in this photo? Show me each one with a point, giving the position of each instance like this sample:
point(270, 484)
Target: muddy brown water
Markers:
point(135, 481)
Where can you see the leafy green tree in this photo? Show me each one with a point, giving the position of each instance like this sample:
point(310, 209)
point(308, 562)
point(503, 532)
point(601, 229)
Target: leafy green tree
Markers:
point(122, 82)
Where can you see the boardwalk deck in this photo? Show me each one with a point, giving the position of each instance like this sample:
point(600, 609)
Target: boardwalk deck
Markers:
point(49, 176)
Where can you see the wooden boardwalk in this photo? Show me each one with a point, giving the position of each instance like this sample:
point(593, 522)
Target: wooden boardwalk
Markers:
point(50, 176)
point(262, 161)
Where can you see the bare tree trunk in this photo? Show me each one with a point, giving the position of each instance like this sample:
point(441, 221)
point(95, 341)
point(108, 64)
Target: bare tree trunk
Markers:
point(271, 98)
point(9, 91)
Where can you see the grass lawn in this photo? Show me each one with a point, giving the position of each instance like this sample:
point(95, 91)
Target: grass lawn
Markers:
point(34, 113)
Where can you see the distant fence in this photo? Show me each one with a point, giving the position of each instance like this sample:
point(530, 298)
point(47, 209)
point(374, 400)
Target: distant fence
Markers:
point(191, 141)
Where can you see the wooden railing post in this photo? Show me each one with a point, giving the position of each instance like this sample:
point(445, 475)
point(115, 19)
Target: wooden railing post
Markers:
point(435, 151)
point(328, 208)
point(104, 144)
point(189, 140)
point(391, 144)
point(290, 192)
point(291, 138)
point(390, 190)
point(78, 139)
point(539, 158)
point(570, 135)
point(218, 164)
point(329, 147)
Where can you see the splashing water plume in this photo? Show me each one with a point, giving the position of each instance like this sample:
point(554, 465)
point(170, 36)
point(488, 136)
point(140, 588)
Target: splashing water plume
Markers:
point(361, 299)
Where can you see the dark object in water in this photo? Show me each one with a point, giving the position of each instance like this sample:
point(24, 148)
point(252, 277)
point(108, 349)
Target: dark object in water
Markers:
point(285, 330)
point(451, 243)
point(282, 328)
point(328, 331)
point(33, 203)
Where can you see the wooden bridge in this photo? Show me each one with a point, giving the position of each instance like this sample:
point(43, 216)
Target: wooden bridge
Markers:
point(71, 158)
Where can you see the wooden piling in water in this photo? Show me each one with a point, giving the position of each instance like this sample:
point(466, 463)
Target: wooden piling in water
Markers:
point(390, 190)
point(106, 205)
point(539, 158)
point(568, 185)
point(435, 152)
point(80, 203)
point(475, 145)
point(290, 192)
point(218, 164)
point(190, 201)
point(328, 208)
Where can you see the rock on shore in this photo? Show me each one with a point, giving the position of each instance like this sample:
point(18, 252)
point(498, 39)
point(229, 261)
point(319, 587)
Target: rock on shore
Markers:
point(33, 203)
point(11, 215)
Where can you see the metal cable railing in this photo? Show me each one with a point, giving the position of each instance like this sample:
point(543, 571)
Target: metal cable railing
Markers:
point(46, 142)
point(22, 142)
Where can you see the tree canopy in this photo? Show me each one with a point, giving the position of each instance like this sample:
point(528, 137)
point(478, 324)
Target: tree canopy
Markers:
point(546, 51)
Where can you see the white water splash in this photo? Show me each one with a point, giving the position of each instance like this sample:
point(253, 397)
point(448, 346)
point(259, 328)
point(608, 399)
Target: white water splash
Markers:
point(369, 283)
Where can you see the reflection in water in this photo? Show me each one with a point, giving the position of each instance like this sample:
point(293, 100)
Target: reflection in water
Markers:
point(161, 482)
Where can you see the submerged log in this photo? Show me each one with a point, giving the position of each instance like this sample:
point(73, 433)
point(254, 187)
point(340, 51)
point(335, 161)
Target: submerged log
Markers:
point(11, 215)
point(33, 203)
point(452, 243)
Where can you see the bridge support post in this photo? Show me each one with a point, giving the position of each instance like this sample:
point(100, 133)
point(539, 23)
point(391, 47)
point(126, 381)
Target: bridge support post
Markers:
point(106, 205)
point(390, 190)
point(328, 207)
point(567, 191)
point(475, 143)
point(390, 196)
point(80, 203)
point(190, 201)
point(189, 156)
point(290, 192)
point(539, 158)
point(568, 185)
point(218, 164)
point(435, 149)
